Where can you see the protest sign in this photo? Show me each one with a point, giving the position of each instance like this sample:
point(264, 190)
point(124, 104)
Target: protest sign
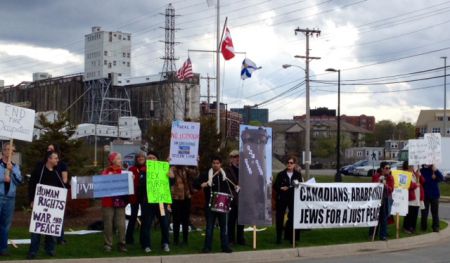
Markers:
point(16, 122)
point(47, 216)
point(417, 152)
point(255, 176)
point(158, 188)
point(400, 204)
point(434, 150)
point(102, 185)
point(184, 143)
point(402, 179)
point(336, 205)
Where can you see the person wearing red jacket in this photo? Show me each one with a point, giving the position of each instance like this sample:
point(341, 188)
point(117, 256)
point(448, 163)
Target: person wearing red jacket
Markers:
point(415, 198)
point(113, 208)
point(384, 176)
point(138, 170)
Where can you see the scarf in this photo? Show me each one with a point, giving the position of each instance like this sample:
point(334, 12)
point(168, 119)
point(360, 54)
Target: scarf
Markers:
point(211, 175)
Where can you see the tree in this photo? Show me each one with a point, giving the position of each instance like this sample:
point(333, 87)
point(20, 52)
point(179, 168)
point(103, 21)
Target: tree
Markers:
point(58, 132)
point(386, 129)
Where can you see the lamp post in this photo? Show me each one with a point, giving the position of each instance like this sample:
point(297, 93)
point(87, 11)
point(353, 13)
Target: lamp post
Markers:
point(307, 159)
point(338, 177)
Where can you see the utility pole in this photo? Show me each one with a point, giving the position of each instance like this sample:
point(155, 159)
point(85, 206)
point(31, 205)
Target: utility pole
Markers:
point(208, 92)
point(307, 32)
point(445, 96)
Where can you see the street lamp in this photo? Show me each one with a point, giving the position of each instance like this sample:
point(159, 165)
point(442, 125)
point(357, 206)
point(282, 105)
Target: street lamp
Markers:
point(338, 177)
point(307, 159)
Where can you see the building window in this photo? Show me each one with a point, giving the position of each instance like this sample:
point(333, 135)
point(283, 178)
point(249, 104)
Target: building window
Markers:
point(129, 37)
point(124, 54)
point(114, 63)
point(128, 55)
point(440, 118)
point(123, 62)
point(106, 53)
point(128, 64)
point(105, 62)
point(436, 130)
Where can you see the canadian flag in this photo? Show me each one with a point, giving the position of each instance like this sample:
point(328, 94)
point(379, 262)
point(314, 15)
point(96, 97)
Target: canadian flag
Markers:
point(227, 46)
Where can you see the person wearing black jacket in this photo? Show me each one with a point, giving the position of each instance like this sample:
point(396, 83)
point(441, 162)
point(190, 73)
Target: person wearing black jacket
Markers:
point(214, 181)
point(284, 187)
point(46, 174)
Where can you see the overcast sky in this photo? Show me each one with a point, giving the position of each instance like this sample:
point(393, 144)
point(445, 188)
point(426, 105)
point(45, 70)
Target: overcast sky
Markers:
point(397, 45)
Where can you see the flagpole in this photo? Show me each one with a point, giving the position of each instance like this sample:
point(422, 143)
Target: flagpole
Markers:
point(218, 70)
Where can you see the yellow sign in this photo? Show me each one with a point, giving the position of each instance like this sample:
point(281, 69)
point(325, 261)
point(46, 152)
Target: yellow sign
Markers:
point(402, 179)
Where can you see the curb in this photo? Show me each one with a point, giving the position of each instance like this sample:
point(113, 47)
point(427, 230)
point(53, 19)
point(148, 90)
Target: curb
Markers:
point(445, 199)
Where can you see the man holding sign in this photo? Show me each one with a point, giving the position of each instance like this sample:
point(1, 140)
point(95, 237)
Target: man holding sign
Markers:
point(47, 195)
point(10, 178)
point(155, 195)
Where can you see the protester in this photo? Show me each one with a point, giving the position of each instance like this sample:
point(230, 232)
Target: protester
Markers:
point(149, 212)
point(182, 189)
point(10, 179)
point(47, 175)
point(284, 188)
point(63, 171)
point(114, 208)
point(232, 172)
point(432, 178)
point(415, 197)
point(215, 182)
point(138, 170)
point(384, 176)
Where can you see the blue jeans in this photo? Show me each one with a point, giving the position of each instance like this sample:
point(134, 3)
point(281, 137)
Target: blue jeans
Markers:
point(148, 212)
point(50, 244)
point(6, 214)
point(211, 219)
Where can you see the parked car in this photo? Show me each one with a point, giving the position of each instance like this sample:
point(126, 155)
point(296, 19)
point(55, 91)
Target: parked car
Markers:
point(371, 167)
point(349, 169)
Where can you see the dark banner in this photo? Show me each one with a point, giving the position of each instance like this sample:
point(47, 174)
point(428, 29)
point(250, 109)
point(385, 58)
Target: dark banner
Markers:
point(255, 176)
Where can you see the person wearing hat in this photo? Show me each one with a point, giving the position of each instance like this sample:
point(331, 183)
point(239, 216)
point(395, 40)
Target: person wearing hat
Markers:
point(232, 170)
point(113, 208)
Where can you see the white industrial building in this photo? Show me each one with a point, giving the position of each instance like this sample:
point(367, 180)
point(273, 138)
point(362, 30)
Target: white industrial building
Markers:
point(106, 52)
point(41, 76)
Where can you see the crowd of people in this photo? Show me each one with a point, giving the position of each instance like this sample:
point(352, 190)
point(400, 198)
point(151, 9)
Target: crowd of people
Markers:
point(220, 185)
point(423, 195)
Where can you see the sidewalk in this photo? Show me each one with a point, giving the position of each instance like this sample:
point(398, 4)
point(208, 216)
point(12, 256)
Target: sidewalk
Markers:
point(280, 255)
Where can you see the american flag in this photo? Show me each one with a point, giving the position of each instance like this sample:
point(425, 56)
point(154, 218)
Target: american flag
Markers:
point(185, 72)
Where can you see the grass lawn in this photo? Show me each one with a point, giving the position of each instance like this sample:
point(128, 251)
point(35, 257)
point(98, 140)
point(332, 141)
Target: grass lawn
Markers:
point(91, 246)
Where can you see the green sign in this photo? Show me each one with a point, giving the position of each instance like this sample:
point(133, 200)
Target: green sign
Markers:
point(158, 188)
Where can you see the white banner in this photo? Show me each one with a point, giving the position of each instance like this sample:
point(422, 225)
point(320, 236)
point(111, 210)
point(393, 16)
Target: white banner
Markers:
point(47, 216)
point(184, 143)
point(418, 152)
point(400, 204)
point(337, 205)
point(434, 147)
point(16, 122)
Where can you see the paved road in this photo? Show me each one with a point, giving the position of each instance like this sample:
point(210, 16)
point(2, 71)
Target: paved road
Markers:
point(435, 253)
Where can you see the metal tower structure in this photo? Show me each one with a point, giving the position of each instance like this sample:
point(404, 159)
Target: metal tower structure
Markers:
point(105, 103)
point(169, 42)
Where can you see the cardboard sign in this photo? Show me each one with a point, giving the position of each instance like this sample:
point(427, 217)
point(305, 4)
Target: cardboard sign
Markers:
point(337, 205)
point(400, 204)
point(184, 143)
point(87, 187)
point(16, 122)
point(158, 188)
point(434, 149)
point(47, 216)
point(402, 179)
point(418, 152)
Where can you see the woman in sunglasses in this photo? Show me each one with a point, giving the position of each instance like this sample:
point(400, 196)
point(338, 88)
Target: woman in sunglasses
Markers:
point(284, 188)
